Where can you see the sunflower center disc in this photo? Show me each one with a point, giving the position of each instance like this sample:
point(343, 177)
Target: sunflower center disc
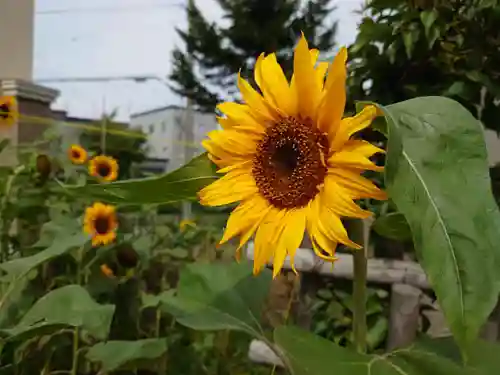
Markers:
point(4, 111)
point(101, 225)
point(75, 154)
point(103, 170)
point(289, 166)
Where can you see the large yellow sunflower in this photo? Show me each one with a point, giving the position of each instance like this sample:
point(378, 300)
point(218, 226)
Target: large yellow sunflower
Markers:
point(101, 223)
point(104, 167)
point(77, 154)
point(8, 110)
point(288, 158)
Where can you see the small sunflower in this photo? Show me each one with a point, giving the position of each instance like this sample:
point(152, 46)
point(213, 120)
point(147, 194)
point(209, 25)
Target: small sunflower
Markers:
point(100, 222)
point(77, 154)
point(104, 167)
point(287, 156)
point(9, 114)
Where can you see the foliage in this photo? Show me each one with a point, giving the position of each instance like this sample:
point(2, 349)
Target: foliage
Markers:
point(214, 54)
point(406, 49)
point(333, 313)
point(125, 145)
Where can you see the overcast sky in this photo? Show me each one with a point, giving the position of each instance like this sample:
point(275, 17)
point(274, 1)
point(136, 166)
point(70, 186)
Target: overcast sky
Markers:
point(89, 38)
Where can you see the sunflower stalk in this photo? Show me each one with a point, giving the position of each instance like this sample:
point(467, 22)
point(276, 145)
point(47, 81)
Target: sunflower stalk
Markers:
point(359, 286)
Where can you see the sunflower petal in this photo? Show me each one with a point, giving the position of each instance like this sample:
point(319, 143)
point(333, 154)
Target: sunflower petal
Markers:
point(357, 185)
point(308, 91)
point(294, 225)
point(235, 186)
point(242, 116)
point(255, 100)
point(351, 125)
point(337, 199)
point(333, 102)
point(353, 160)
point(274, 85)
point(266, 238)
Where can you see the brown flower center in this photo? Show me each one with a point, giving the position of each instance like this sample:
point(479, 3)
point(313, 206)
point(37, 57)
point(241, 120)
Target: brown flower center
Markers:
point(289, 164)
point(4, 111)
point(75, 154)
point(102, 224)
point(103, 169)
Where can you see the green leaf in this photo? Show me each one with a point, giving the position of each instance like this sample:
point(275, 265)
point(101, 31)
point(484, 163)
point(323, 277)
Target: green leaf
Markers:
point(62, 244)
point(393, 226)
point(437, 175)
point(307, 354)
point(4, 143)
point(23, 333)
point(70, 305)
point(117, 355)
point(181, 184)
point(220, 296)
point(428, 17)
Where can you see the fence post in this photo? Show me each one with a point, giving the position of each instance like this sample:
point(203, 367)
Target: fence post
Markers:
point(404, 315)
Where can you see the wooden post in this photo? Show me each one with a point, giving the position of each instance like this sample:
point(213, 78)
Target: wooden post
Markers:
point(404, 315)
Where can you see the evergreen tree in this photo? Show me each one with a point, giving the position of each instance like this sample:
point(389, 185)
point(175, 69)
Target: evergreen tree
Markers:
point(205, 70)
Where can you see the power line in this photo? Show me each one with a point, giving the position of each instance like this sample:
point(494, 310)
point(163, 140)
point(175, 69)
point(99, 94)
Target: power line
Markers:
point(108, 9)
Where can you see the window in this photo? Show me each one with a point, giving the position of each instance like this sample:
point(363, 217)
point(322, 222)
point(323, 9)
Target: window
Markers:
point(151, 128)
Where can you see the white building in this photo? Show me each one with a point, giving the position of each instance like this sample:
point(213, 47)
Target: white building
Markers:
point(164, 127)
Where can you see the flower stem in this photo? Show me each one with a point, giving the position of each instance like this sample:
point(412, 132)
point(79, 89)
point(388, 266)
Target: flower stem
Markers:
point(359, 288)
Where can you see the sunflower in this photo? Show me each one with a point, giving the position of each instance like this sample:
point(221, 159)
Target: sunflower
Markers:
point(287, 156)
point(8, 110)
point(77, 154)
point(101, 223)
point(104, 167)
point(107, 271)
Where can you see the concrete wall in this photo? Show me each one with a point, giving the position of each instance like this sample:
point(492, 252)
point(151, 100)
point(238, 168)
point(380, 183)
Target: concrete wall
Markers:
point(16, 39)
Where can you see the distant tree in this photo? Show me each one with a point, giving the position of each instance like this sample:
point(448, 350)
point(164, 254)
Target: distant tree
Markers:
point(213, 54)
point(429, 47)
point(126, 145)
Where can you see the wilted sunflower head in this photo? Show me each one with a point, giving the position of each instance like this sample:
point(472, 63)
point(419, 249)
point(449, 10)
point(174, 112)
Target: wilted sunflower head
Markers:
point(287, 156)
point(100, 223)
point(105, 168)
point(77, 154)
point(8, 110)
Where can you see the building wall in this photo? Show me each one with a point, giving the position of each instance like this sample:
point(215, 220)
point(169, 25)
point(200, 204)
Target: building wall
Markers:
point(165, 134)
point(16, 39)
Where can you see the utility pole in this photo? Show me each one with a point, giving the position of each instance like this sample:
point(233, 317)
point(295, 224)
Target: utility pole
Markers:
point(188, 125)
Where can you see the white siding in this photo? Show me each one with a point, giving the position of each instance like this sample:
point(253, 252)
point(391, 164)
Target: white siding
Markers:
point(165, 135)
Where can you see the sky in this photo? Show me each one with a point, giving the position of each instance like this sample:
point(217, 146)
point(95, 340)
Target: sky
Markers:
point(96, 38)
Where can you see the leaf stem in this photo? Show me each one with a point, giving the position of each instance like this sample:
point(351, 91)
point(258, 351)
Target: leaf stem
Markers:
point(359, 287)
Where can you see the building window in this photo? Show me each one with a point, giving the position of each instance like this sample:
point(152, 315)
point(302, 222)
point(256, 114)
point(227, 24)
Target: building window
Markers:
point(151, 129)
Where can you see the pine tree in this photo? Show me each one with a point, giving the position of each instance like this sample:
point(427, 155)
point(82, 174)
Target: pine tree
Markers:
point(205, 70)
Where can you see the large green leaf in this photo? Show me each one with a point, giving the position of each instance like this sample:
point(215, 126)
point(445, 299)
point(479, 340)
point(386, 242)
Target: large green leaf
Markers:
point(115, 355)
point(220, 296)
point(17, 268)
point(393, 226)
point(181, 184)
point(307, 354)
point(70, 305)
point(437, 175)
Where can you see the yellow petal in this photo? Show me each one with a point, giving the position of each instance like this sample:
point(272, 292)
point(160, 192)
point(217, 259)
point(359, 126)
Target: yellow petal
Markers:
point(357, 185)
point(352, 160)
point(235, 186)
point(333, 101)
point(321, 72)
point(332, 227)
point(337, 199)
point(255, 100)
point(244, 217)
point(290, 239)
point(321, 243)
point(351, 125)
point(266, 238)
point(362, 147)
point(307, 89)
point(242, 115)
point(227, 143)
point(274, 85)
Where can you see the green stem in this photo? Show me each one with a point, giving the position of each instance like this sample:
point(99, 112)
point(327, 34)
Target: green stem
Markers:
point(359, 288)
